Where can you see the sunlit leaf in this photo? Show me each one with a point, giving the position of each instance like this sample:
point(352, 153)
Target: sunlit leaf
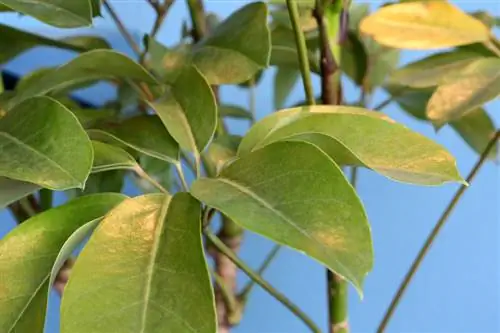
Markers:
point(355, 136)
point(466, 90)
point(190, 121)
point(42, 142)
point(62, 14)
point(431, 71)
point(294, 194)
point(145, 134)
point(424, 25)
point(27, 255)
point(161, 236)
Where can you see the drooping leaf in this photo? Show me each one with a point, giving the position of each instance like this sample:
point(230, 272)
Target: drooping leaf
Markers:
point(14, 41)
point(424, 25)
point(161, 236)
point(233, 111)
point(12, 190)
point(284, 81)
point(41, 142)
point(96, 7)
point(237, 49)
point(191, 121)
point(108, 157)
point(102, 182)
point(89, 66)
point(355, 136)
point(477, 129)
point(27, 255)
point(294, 194)
point(73, 241)
point(145, 134)
point(431, 71)
point(468, 89)
point(59, 13)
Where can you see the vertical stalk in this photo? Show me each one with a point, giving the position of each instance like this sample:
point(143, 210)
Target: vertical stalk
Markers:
point(328, 14)
point(293, 11)
point(434, 233)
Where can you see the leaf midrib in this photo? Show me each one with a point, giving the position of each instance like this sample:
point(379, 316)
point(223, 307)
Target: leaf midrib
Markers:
point(286, 219)
point(38, 153)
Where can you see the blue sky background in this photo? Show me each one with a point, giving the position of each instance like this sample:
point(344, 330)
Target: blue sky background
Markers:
point(457, 288)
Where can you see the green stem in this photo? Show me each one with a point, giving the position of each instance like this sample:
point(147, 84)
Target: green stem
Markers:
point(198, 20)
point(121, 27)
point(434, 233)
point(302, 50)
point(251, 284)
point(144, 175)
point(46, 197)
point(260, 281)
point(161, 13)
point(227, 294)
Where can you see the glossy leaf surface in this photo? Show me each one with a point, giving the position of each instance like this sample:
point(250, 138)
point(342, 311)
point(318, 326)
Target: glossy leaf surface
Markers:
point(27, 255)
point(355, 136)
point(424, 25)
point(294, 194)
point(42, 142)
point(142, 254)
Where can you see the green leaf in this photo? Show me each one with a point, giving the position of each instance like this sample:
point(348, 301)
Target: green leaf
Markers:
point(477, 129)
point(233, 111)
point(14, 41)
point(284, 50)
point(191, 121)
point(12, 190)
point(145, 134)
point(91, 117)
point(237, 49)
point(432, 70)
point(42, 142)
point(89, 66)
point(354, 59)
point(284, 81)
point(355, 136)
point(382, 61)
point(294, 194)
point(108, 157)
point(27, 255)
point(102, 182)
point(76, 238)
point(96, 7)
point(59, 13)
point(468, 89)
point(412, 100)
point(161, 236)
point(424, 25)
point(221, 151)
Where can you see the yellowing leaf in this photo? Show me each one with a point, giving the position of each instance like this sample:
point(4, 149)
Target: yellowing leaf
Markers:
point(424, 25)
point(476, 84)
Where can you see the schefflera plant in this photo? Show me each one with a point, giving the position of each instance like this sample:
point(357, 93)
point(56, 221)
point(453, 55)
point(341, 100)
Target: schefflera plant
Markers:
point(144, 267)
